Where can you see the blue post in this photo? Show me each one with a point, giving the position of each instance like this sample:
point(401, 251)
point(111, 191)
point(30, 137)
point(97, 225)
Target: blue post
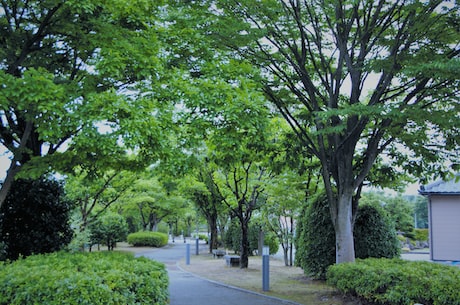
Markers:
point(265, 269)
point(197, 247)
point(187, 254)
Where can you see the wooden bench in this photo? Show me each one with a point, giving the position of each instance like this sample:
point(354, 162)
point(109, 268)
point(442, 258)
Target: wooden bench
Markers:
point(232, 260)
point(218, 253)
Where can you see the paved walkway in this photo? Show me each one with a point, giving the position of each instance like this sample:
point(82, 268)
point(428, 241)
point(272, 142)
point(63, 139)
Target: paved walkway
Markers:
point(187, 289)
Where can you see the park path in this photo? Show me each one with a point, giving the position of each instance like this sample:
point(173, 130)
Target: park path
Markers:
point(187, 289)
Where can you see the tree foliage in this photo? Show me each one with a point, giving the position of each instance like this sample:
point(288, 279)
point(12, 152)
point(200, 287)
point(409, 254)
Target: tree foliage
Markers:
point(149, 202)
point(35, 218)
point(73, 75)
point(92, 195)
point(354, 79)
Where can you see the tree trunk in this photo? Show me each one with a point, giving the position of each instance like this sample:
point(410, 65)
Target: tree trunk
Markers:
point(244, 255)
point(285, 252)
point(343, 223)
point(213, 242)
point(8, 182)
point(291, 236)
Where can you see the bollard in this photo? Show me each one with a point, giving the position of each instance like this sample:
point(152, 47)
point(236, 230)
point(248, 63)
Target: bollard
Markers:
point(265, 269)
point(197, 247)
point(187, 254)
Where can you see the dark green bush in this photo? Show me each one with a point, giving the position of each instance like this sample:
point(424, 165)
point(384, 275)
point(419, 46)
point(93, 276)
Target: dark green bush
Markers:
point(397, 282)
point(315, 239)
point(34, 218)
point(149, 239)
point(84, 278)
point(374, 236)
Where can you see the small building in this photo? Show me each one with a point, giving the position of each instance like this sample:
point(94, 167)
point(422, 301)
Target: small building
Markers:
point(444, 219)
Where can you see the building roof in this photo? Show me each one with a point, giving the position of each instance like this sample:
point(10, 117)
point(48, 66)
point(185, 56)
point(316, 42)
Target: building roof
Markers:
point(451, 187)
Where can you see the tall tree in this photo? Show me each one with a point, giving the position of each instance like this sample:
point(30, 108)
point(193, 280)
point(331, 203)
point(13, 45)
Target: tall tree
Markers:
point(354, 79)
point(203, 192)
point(72, 75)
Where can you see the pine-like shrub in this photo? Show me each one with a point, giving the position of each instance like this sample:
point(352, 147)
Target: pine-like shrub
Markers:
point(374, 234)
point(99, 278)
point(315, 238)
point(148, 239)
point(34, 219)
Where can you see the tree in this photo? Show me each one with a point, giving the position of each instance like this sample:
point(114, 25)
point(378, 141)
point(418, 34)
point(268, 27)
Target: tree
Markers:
point(35, 218)
point(151, 202)
point(354, 79)
point(109, 229)
point(204, 193)
point(398, 209)
point(284, 199)
point(421, 212)
point(93, 195)
point(73, 75)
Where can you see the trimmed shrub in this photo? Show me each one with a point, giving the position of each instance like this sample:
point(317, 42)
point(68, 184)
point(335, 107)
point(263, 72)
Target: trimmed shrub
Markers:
point(148, 239)
point(374, 236)
point(34, 218)
point(399, 282)
point(315, 239)
point(98, 278)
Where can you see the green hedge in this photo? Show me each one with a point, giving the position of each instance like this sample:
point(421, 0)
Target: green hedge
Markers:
point(83, 278)
point(150, 239)
point(398, 282)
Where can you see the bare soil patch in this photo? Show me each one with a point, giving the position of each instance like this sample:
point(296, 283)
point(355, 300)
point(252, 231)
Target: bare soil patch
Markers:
point(288, 283)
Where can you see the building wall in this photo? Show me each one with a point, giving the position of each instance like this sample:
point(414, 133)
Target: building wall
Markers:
point(445, 227)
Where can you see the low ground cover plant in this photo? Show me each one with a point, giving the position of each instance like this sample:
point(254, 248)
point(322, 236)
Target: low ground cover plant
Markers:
point(149, 239)
point(397, 282)
point(83, 278)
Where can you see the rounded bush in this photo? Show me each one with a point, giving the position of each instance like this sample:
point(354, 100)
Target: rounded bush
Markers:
point(84, 278)
point(148, 239)
point(374, 236)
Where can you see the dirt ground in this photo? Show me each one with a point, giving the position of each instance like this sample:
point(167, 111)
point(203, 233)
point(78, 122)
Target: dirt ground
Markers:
point(285, 282)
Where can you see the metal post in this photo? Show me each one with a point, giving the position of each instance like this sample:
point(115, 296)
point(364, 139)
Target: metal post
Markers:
point(197, 247)
point(265, 269)
point(187, 254)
